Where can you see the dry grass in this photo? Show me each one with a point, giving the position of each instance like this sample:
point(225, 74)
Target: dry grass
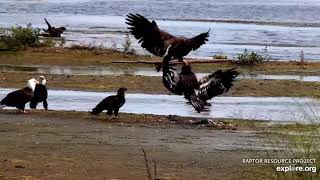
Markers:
point(84, 56)
point(153, 85)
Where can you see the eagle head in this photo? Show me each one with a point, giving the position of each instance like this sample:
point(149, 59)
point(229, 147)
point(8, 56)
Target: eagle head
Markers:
point(186, 68)
point(122, 90)
point(32, 83)
point(42, 80)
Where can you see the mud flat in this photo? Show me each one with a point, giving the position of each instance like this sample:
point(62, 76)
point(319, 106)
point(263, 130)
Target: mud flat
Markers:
point(71, 145)
point(153, 85)
point(104, 58)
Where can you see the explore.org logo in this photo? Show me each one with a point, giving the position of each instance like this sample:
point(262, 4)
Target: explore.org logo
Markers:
point(288, 165)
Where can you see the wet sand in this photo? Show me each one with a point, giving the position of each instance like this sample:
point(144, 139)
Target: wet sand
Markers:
point(42, 147)
point(153, 85)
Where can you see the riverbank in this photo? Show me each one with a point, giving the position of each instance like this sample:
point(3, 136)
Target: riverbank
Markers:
point(73, 145)
point(105, 57)
point(153, 85)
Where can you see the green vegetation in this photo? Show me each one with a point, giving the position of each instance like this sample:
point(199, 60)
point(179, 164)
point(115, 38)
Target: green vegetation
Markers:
point(220, 56)
point(299, 141)
point(252, 58)
point(127, 46)
point(21, 38)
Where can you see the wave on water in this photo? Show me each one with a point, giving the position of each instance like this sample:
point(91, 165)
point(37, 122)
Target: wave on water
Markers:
point(257, 22)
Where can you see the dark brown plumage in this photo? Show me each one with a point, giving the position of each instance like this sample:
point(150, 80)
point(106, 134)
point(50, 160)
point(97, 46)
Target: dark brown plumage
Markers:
point(20, 97)
point(40, 94)
point(52, 31)
point(161, 43)
point(111, 104)
point(198, 92)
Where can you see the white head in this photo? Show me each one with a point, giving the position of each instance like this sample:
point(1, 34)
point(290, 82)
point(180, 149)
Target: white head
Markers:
point(42, 80)
point(32, 83)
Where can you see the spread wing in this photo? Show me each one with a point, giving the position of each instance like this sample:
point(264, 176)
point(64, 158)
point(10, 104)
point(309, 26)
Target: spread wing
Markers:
point(198, 40)
point(49, 26)
point(147, 33)
point(169, 81)
point(216, 83)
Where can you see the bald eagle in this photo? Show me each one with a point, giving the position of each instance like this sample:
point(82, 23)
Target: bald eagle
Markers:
point(197, 92)
point(161, 43)
point(20, 97)
point(52, 31)
point(111, 103)
point(40, 94)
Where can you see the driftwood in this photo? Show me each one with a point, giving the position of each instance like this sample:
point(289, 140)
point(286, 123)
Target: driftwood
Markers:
point(213, 61)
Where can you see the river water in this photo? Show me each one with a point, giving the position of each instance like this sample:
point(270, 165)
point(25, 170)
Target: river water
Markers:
point(285, 109)
point(141, 71)
point(285, 26)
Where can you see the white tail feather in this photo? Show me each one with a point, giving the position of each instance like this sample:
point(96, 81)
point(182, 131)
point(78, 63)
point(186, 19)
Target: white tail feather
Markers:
point(2, 106)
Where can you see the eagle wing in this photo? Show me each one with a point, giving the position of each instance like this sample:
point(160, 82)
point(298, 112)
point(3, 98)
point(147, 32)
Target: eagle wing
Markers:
point(148, 34)
point(198, 40)
point(49, 26)
point(216, 83)
point(17, 97)
point(106, 103)
point(169, 81)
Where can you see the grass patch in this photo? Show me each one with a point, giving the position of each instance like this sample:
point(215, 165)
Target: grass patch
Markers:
point(252, 58)
point(21, 38)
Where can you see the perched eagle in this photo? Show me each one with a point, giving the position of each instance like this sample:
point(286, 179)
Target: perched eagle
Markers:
point(161, 43)
point(40, 94)
point(111, 103)
point(197, 92)
point(20, 97)
point(52, 31)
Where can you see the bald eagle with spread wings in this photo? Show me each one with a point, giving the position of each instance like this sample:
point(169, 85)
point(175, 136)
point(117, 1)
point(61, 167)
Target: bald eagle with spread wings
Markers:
point(197, 92)
point(161, 43)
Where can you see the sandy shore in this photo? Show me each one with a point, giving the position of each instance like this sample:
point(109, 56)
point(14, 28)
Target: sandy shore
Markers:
point(37, 146)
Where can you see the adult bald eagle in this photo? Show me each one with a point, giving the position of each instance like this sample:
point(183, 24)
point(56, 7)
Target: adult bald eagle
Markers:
point(161, 43)
point(198, 92)
point(20, 97)
point(111, 103)
point(40, 94)
point(52, 31)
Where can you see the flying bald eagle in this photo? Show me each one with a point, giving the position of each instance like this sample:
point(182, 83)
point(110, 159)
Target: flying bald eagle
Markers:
point(161, 43)
point(52, 31)
point(197, 92)
point(111, 103)
point(20, 97)
point(40, 94)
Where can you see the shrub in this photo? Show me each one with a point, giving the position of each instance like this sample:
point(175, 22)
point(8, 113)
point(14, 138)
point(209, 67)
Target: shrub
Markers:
point(127, 46)
point(220, 56)
point(20, 37)
point(252, 58)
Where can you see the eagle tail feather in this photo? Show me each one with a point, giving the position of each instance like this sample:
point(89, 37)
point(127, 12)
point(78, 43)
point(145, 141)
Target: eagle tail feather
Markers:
point(96, 110)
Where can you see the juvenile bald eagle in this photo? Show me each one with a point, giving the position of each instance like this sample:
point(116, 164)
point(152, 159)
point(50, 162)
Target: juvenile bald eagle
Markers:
point(52, 31)
point(111, 104)
point(20, 97)
point(198, 92)
point(157, 41)
point(40, 94)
